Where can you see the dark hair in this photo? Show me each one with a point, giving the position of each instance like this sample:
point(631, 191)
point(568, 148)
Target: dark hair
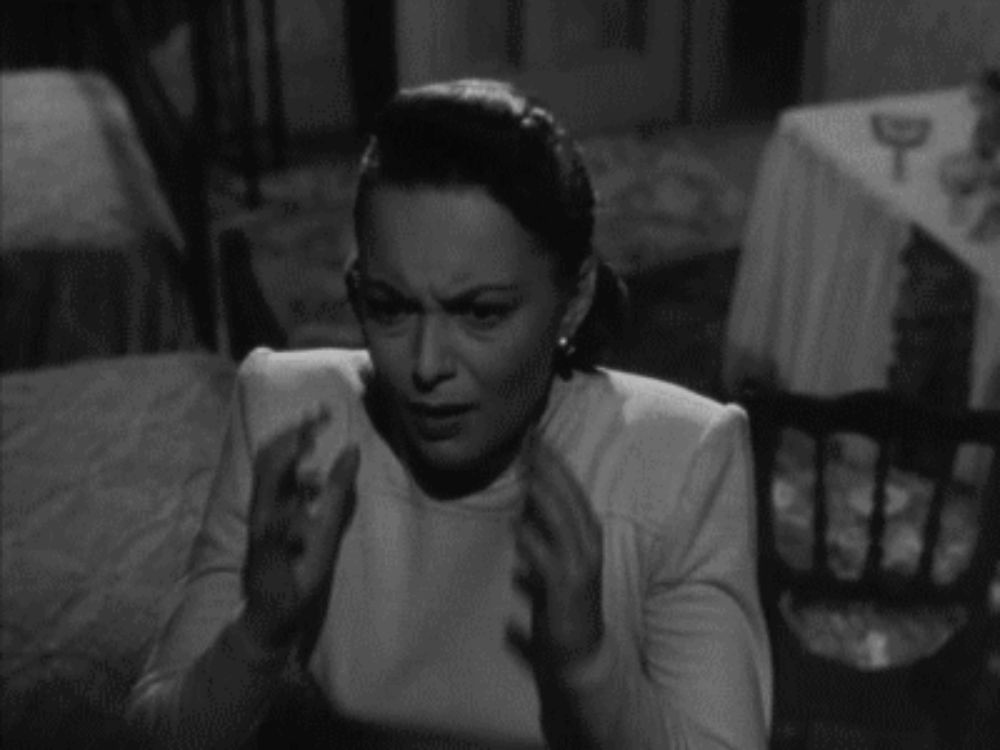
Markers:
point(488, 134)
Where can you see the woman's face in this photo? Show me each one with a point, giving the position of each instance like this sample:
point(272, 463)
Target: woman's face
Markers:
point(461, 309)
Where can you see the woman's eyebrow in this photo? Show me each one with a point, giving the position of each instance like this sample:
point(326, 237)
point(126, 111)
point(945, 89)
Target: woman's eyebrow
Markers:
point(462, 297)
point(382, 286)
point(385, 289)
point(471, 294)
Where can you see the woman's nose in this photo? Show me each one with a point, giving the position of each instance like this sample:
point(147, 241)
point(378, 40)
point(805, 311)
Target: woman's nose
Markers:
point(432, 361)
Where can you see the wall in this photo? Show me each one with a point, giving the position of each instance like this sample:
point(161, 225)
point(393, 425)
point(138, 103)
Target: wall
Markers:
point(709, 74)
point(314, 64)
point(882, 46)
point(316, 77)
point(569, 52)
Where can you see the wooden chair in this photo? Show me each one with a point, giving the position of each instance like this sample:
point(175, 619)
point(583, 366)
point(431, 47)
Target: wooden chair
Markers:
point(250, 321)
point(879, 439)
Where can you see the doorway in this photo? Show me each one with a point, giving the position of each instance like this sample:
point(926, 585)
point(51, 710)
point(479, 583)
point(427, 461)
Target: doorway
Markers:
point(767, 53)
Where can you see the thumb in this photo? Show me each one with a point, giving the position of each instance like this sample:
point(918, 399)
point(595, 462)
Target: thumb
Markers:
point(339, 489)
point(519, 641)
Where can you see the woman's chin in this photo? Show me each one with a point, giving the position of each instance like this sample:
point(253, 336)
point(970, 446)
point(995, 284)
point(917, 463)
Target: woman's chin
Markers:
point(445, 475)
point(446, 470)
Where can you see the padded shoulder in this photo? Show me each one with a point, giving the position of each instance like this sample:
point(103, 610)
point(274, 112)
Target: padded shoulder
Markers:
point(279, 388)
point(640, 443)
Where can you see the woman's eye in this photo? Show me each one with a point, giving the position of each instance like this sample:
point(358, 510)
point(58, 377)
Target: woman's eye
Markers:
point(385, 312)
point(485, 316)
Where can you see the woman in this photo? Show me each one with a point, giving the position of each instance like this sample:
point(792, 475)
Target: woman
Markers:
point(468, 529)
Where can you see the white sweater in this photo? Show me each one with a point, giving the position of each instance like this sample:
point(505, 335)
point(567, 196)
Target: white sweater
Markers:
point(415, 631)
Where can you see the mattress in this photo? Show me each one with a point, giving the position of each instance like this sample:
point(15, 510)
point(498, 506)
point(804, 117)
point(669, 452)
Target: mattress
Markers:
point(106, 469)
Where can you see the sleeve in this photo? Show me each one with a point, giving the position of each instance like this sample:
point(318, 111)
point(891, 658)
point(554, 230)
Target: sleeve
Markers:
point(701, 677)
point(206, 682)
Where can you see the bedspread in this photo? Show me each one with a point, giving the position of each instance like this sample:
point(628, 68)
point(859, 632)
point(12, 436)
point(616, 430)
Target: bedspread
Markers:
point(90, 253)
point(106, 468)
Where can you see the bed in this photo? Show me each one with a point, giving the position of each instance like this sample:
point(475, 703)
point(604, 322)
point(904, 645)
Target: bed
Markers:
point(103, 241)
point(106, 468)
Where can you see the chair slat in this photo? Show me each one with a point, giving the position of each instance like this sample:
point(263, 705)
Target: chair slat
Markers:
point(821, 557)
point(871, 575)
point(932, 524)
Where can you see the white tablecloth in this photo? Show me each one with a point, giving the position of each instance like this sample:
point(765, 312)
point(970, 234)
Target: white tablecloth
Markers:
point(820, 266)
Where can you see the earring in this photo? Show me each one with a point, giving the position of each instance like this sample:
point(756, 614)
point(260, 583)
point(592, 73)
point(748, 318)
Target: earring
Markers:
point(565, 349)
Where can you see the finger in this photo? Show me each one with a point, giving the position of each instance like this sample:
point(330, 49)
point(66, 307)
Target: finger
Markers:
point(293, 543)
point(532, 588)
point(308, 488)
point(275, 523)
point(276, 464)
point(548, 496)
point(301, 508)
point(278, 453)
point(539, 563)
point(282, 516)
point(327, 517)
point(340, 485)
point(559, 501)
point(519, 641)
point(295, 439)
point(551, 524)
point(269, 519)
point(295, 484)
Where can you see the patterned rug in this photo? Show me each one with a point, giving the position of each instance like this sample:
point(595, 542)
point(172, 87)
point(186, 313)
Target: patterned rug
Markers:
point(668, 221)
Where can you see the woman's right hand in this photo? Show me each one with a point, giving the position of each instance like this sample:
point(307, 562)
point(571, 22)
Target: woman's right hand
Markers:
point(295, 528)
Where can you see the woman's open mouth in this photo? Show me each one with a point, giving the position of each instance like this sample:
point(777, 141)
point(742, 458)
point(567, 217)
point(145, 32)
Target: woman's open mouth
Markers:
point(439, 421)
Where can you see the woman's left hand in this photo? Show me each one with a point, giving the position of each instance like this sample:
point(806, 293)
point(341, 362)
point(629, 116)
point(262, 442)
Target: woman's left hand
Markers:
point(560, 555)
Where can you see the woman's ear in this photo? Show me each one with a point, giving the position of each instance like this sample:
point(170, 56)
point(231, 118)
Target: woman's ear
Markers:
point(582, 299)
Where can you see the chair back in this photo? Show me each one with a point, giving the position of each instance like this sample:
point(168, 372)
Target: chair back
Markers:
point(250, 320)
point(886, 511)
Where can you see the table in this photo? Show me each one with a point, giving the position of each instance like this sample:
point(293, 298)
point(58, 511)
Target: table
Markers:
point(820, 267)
